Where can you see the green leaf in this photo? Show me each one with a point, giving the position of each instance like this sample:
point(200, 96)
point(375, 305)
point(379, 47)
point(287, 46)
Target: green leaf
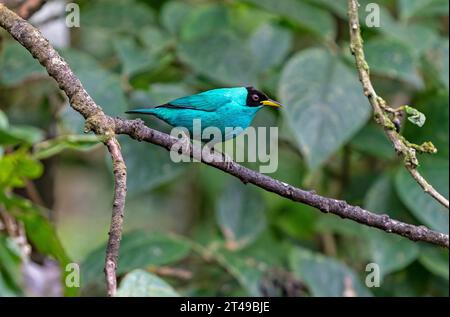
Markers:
point(148, 166)
point(17, 168)
point(139, 249)
point(314, 19)
point(17, 64)
point(203, 21)
point(270, 44)
point(325, 276)
point(55, 146)
point(222, 57)
point(393, 59)
point(435, 260)
point(391, 252)
point(240, 213)
point(134, 59)
point(422, 8)
point(174, 14)
point(373, 141)
point(245, 269)
point(421, 204)
point(438, 56)
point(324, 104)
point(40, 232)
point(20, 134)
point(155, 39)
point(415, 116)
point(418, 37)
point(10, 267)
point(119, 15)
point(104, 87)
point(139, 283)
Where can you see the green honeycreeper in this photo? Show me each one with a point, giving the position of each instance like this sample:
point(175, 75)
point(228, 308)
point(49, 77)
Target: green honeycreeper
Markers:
point(221, 108)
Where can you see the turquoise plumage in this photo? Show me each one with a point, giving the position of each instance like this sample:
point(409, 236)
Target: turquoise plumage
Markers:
point(220, 108)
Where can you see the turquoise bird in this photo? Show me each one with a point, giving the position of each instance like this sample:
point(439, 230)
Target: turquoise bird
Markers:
point(220, 108)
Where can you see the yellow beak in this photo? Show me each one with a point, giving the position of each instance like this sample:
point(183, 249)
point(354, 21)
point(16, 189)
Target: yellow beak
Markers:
point(271, 103)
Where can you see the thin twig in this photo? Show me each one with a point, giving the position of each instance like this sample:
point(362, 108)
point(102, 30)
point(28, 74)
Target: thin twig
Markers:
point(382, 111)
point(115, 231)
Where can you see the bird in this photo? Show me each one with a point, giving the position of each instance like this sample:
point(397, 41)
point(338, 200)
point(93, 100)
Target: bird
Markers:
point(221, 108)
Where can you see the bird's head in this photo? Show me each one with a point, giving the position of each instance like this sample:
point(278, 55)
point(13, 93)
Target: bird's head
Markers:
point(256, 98)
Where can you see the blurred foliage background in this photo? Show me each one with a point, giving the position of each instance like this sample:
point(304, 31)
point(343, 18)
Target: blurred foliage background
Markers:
point(192, 230)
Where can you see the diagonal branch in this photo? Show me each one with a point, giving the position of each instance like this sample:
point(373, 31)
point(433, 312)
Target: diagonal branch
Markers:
point(137, 130)
point(382, 111)
point(96, 121)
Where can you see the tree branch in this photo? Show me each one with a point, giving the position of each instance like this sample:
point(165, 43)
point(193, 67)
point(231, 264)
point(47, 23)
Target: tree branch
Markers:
point(108, 127)
point(382, 111)
point(137, 130)
point(96, 121)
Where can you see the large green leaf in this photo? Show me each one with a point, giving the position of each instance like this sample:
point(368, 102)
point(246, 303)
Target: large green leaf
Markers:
point(155, 39)
point(103, 86)
point(373, 141)
point(325, 276)
point(134, 59)
point(139, 249)
point(17, 64)
point(240, 213)
point(10, 267)
point(439, 58)
point(418, 37)
point(204, 21)
point(391, 58)
point(422, 8)
point(40, 232)
point(139, 283)
point(324, 103)
point(119, 15)
point(389, 251)
point(435, 260)
point(308, 16)
point(173, 15)
point(270, 44)
point(421, 204)
point(17, 168)
point(246, 270)
point(222, 56)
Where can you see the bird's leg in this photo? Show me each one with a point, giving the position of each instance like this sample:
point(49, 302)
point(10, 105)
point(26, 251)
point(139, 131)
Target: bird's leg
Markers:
point(185, 142)
point(225, 158)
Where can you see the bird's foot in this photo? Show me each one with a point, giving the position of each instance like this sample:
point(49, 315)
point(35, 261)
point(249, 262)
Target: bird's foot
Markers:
point(228, 160)
point(185, 143)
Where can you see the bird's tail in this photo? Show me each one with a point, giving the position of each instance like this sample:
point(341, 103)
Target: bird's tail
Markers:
point(149, 111)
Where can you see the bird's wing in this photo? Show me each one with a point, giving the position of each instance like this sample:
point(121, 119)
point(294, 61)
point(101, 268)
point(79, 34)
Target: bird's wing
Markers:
point(206, 101)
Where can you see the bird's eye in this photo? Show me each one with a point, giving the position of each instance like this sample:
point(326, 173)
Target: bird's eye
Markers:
point(255, 97)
